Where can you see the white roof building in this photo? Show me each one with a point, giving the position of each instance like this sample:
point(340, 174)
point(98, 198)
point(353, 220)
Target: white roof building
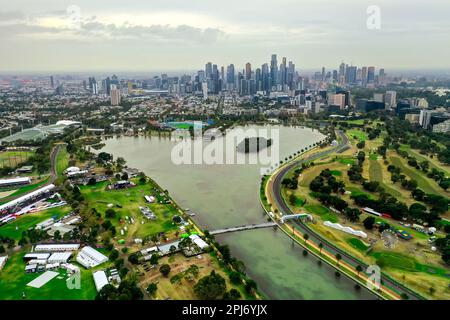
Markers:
point(14, 181)
point(35, 255)
point(198, 241)
point(3, 261)
point(59, 257)
point(57, 247)
point(100, 280)
point(72, 169)
point(90, 258)
point(27, 197)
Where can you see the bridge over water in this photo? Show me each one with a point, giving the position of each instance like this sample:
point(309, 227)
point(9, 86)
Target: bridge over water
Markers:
point(242, 228)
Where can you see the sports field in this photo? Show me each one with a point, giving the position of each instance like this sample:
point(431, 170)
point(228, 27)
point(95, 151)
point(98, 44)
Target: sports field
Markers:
point(13, 159)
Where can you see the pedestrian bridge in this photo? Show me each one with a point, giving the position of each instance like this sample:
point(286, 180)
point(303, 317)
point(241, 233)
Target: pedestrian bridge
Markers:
point(242, 228)
point(296, 216)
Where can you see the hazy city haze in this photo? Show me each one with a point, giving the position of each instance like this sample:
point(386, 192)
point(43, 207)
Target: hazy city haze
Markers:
point(55, 35)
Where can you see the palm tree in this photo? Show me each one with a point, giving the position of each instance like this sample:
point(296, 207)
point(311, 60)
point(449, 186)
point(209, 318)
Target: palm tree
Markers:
point(359, 269)
point(320, 248)
point(338, 258)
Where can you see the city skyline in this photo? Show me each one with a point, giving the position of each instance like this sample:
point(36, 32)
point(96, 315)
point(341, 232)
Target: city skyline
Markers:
point(85, 36)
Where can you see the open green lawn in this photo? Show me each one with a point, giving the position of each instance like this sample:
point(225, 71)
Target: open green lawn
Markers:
point(423, 181)
point(321, 211)
point(126, 203)
point(399, 261)
point(14, 280)
point(356, 191)
point(29, 220)
point(360, 135)
point(13, 159)
point(376, 174)
point(434, 163)
point(346, 160)
point(336, 173)
point(358, 244)
point(62, 160)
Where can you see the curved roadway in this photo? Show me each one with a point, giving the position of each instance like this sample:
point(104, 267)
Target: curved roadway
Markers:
point(313, 236)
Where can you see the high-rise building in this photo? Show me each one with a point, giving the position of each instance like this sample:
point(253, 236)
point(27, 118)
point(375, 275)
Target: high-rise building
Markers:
point(339, 100)
point(274, 70)
point(390, 98)
point(93, 86)
point(371, 75)
point(208, 70)
point(205, 89)
point(248, 71)
point(364, 76)
point(115, 95)
point(230, 75)
point(52, 82)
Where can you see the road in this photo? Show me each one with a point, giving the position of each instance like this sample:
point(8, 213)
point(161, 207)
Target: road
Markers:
point(276, 193)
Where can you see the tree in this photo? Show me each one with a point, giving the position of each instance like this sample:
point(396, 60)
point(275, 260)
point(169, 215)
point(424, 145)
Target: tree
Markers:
point(306, 237)
point(152, 288)
point(233, 294)
point(154, 259)
point(57, 235)
point(92, 181)
point(110, 213)
point(320, 248)
point(250, 285)
point(235, 277)
point(369, 222)
point(210, 287)
point(133, 258)
point(338, 258)
point(165, 270)
point(359, 269)
point(114, 255)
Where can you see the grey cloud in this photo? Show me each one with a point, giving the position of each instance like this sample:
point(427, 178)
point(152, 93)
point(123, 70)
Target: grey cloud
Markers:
point(6, 16)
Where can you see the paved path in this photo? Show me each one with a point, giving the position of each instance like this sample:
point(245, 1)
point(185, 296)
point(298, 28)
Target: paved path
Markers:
point(275, 189)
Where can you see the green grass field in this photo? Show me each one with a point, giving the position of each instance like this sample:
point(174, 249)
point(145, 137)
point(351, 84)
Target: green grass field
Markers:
point(126, 203)
point(13, 159)
point(62, 161)
point(346, 161)
point(14, 282)
point(402, 262)
point(357, 244)
point(29, 220)
point(336, 173)
point(376, 174)
point(360, 135)
point(434, 163)
point(424, 183)
point(321, 211)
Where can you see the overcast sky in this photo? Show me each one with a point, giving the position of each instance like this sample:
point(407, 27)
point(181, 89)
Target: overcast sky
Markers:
point(146, 35)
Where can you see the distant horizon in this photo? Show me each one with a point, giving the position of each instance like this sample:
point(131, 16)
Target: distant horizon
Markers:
point(128, 72)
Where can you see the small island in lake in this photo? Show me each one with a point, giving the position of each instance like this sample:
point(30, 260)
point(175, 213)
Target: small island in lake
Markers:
point(254, 144)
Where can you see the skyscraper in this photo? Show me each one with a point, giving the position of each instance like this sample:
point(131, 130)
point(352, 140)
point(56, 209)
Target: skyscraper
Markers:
point(230, 74)
point(115, 95)
point(208, 70)
point(371, 75)
point(248, 71)
point(274, 70)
